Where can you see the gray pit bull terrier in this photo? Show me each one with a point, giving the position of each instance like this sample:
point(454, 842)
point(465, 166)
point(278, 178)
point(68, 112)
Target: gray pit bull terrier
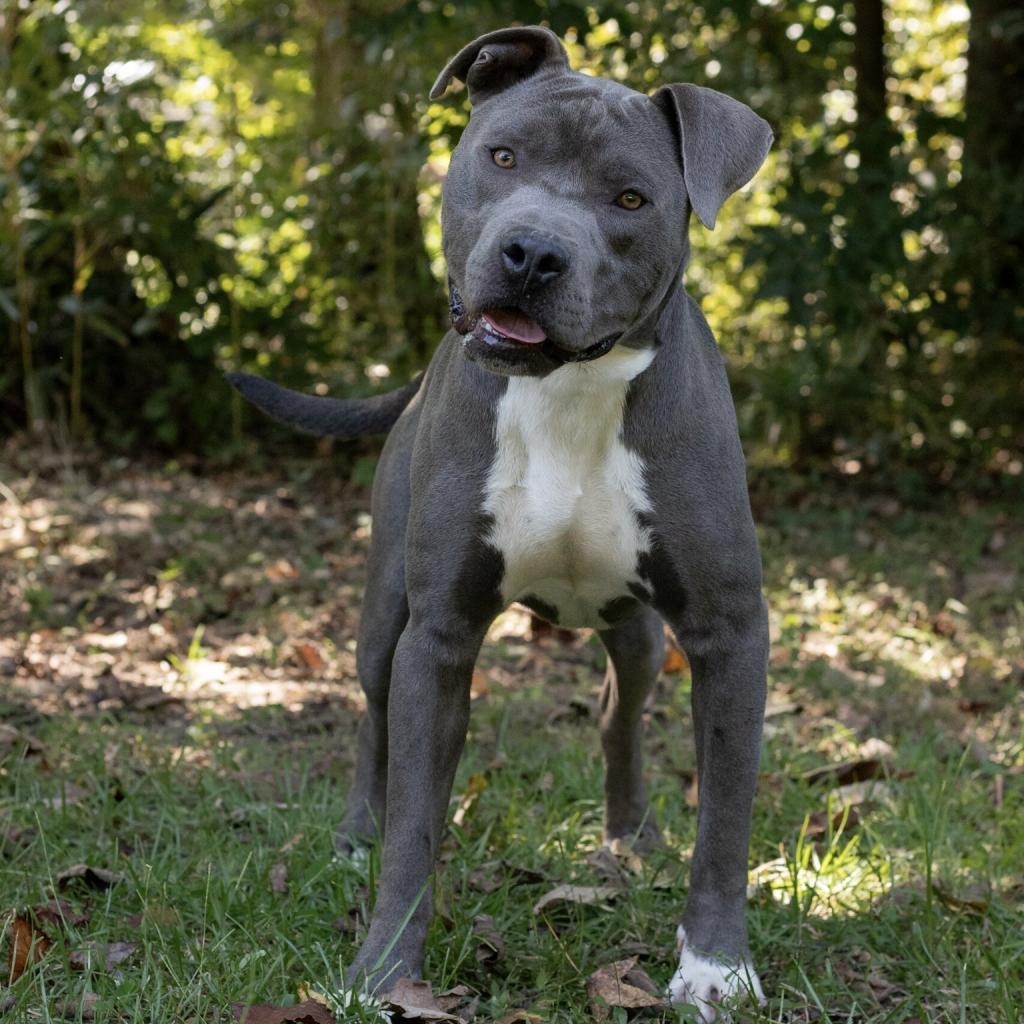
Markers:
point(573, 447)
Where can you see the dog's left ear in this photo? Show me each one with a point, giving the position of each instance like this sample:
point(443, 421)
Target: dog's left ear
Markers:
point(494, 62)
point(723, 144)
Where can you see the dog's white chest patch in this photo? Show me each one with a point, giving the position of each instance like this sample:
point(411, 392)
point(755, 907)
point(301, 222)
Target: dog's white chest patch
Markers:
point(565, 492)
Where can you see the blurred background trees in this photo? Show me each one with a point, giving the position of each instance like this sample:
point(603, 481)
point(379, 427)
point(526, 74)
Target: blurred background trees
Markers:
point(187, 187)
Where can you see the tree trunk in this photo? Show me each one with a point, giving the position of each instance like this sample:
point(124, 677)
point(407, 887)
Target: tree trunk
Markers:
point(874, 133)
point(995, 87)
point(991, 193)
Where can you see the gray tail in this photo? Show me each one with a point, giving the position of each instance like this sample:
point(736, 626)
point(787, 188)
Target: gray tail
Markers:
point(325, 417)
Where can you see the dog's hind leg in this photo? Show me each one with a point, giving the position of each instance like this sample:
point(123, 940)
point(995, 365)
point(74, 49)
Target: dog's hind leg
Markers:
point(635, 652)
point(384, 615)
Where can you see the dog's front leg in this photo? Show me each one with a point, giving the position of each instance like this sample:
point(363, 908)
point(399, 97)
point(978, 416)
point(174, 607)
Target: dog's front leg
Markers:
point(428, 714)
point(729, 687)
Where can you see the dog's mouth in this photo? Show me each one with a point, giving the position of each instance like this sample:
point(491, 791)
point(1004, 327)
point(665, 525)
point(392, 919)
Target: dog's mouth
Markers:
point(499, 326)
point(511, 341)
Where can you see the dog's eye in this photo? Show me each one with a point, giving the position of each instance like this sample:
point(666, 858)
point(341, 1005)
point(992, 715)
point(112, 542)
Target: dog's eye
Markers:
point(503, 157)
point(630, 200)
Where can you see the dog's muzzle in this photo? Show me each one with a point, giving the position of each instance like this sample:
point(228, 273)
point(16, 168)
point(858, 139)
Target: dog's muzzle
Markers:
point(469, 326)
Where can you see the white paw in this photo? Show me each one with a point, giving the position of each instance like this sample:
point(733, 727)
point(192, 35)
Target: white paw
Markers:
point(702, 982)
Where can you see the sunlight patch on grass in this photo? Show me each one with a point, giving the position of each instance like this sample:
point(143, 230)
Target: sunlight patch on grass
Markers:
point(838, 879)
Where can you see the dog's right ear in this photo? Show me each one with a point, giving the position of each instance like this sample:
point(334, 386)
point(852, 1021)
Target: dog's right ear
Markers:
point(494, 62)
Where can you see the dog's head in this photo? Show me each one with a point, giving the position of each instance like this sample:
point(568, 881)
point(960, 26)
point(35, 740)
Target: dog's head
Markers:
point(567, 199)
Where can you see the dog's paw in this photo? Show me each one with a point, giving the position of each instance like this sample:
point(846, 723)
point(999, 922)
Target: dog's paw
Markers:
point(704, 982)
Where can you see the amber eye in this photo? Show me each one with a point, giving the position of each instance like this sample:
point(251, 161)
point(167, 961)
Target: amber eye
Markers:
point(630, 200)
point(503, 157)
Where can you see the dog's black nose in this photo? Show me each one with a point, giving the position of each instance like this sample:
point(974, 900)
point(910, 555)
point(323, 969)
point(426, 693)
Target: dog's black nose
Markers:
point(533, 261)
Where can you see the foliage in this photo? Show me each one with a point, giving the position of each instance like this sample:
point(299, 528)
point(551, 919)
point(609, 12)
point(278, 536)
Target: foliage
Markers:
point(209, 184)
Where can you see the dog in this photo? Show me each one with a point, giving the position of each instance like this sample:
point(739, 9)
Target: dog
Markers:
point(573, 447)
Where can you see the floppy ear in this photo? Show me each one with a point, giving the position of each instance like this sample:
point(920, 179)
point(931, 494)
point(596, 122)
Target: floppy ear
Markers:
point(723, 144)
point(499, 59)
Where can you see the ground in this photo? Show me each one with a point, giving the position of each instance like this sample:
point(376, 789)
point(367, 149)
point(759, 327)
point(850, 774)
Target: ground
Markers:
point(177, 710)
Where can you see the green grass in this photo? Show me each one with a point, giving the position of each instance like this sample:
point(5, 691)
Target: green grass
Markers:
point(886, 628)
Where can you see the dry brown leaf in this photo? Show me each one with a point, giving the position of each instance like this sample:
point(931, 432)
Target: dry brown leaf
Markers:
point(490, 876)
point(458, 1000)
point(585, 895)
point(861, 770)
point(606, 865)
point(101, 955)
point(479, 686)
point(282, 569)
point(27, 946)
point(12, 740)
point(94, 878)
point(691, 789)
point(292, 843)
point(973, 900)
point(818, 823)
point(414, 1000)
point(78, 1009)
point(308, 1012)
point(675, 659)
point(11, 836)
point(490, 945)
point(520, 1017)
point(68, 797)
point(475, 785)
point(279, 878)
point(621, 984)
point(310, 656)
point(59, 913)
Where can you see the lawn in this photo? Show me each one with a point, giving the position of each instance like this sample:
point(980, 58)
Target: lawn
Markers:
point(177, 713)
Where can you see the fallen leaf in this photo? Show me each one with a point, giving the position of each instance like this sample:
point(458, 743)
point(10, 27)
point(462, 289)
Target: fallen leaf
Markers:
point(483, 876)
point(479, 686)
point(310, 656)
point(282, 569)
point(819, 821)
point(490, 945)
point(691, 789)
point(78, 1009)
point(279, 878)
point(292, 843)
point(861, 792)
point(606, 865)
point(13, 741)
point(973, 900)
point(414, 1000)
point(11, 836)
point(60, 913)
point(101, 955)
point(520, 1017)
point(621, 984)
point(68, 797)
point(843, 774)
point(675, 659)
point(460, 1001)
point(475, 785)
point(776, 709)
point(94, 878)
point(28, 945)
point(576, 710)
point(585, 895)
point(308, 1012)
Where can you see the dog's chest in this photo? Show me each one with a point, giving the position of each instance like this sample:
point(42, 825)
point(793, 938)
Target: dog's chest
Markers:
point(565, 493)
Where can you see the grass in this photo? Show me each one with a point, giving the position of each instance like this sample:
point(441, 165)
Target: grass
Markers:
point(178, 648)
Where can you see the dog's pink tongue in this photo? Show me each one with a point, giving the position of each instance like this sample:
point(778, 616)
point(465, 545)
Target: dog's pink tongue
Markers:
point(516, 325)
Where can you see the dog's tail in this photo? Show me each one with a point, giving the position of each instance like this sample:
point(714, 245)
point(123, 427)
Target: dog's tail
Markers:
point(326, 417)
